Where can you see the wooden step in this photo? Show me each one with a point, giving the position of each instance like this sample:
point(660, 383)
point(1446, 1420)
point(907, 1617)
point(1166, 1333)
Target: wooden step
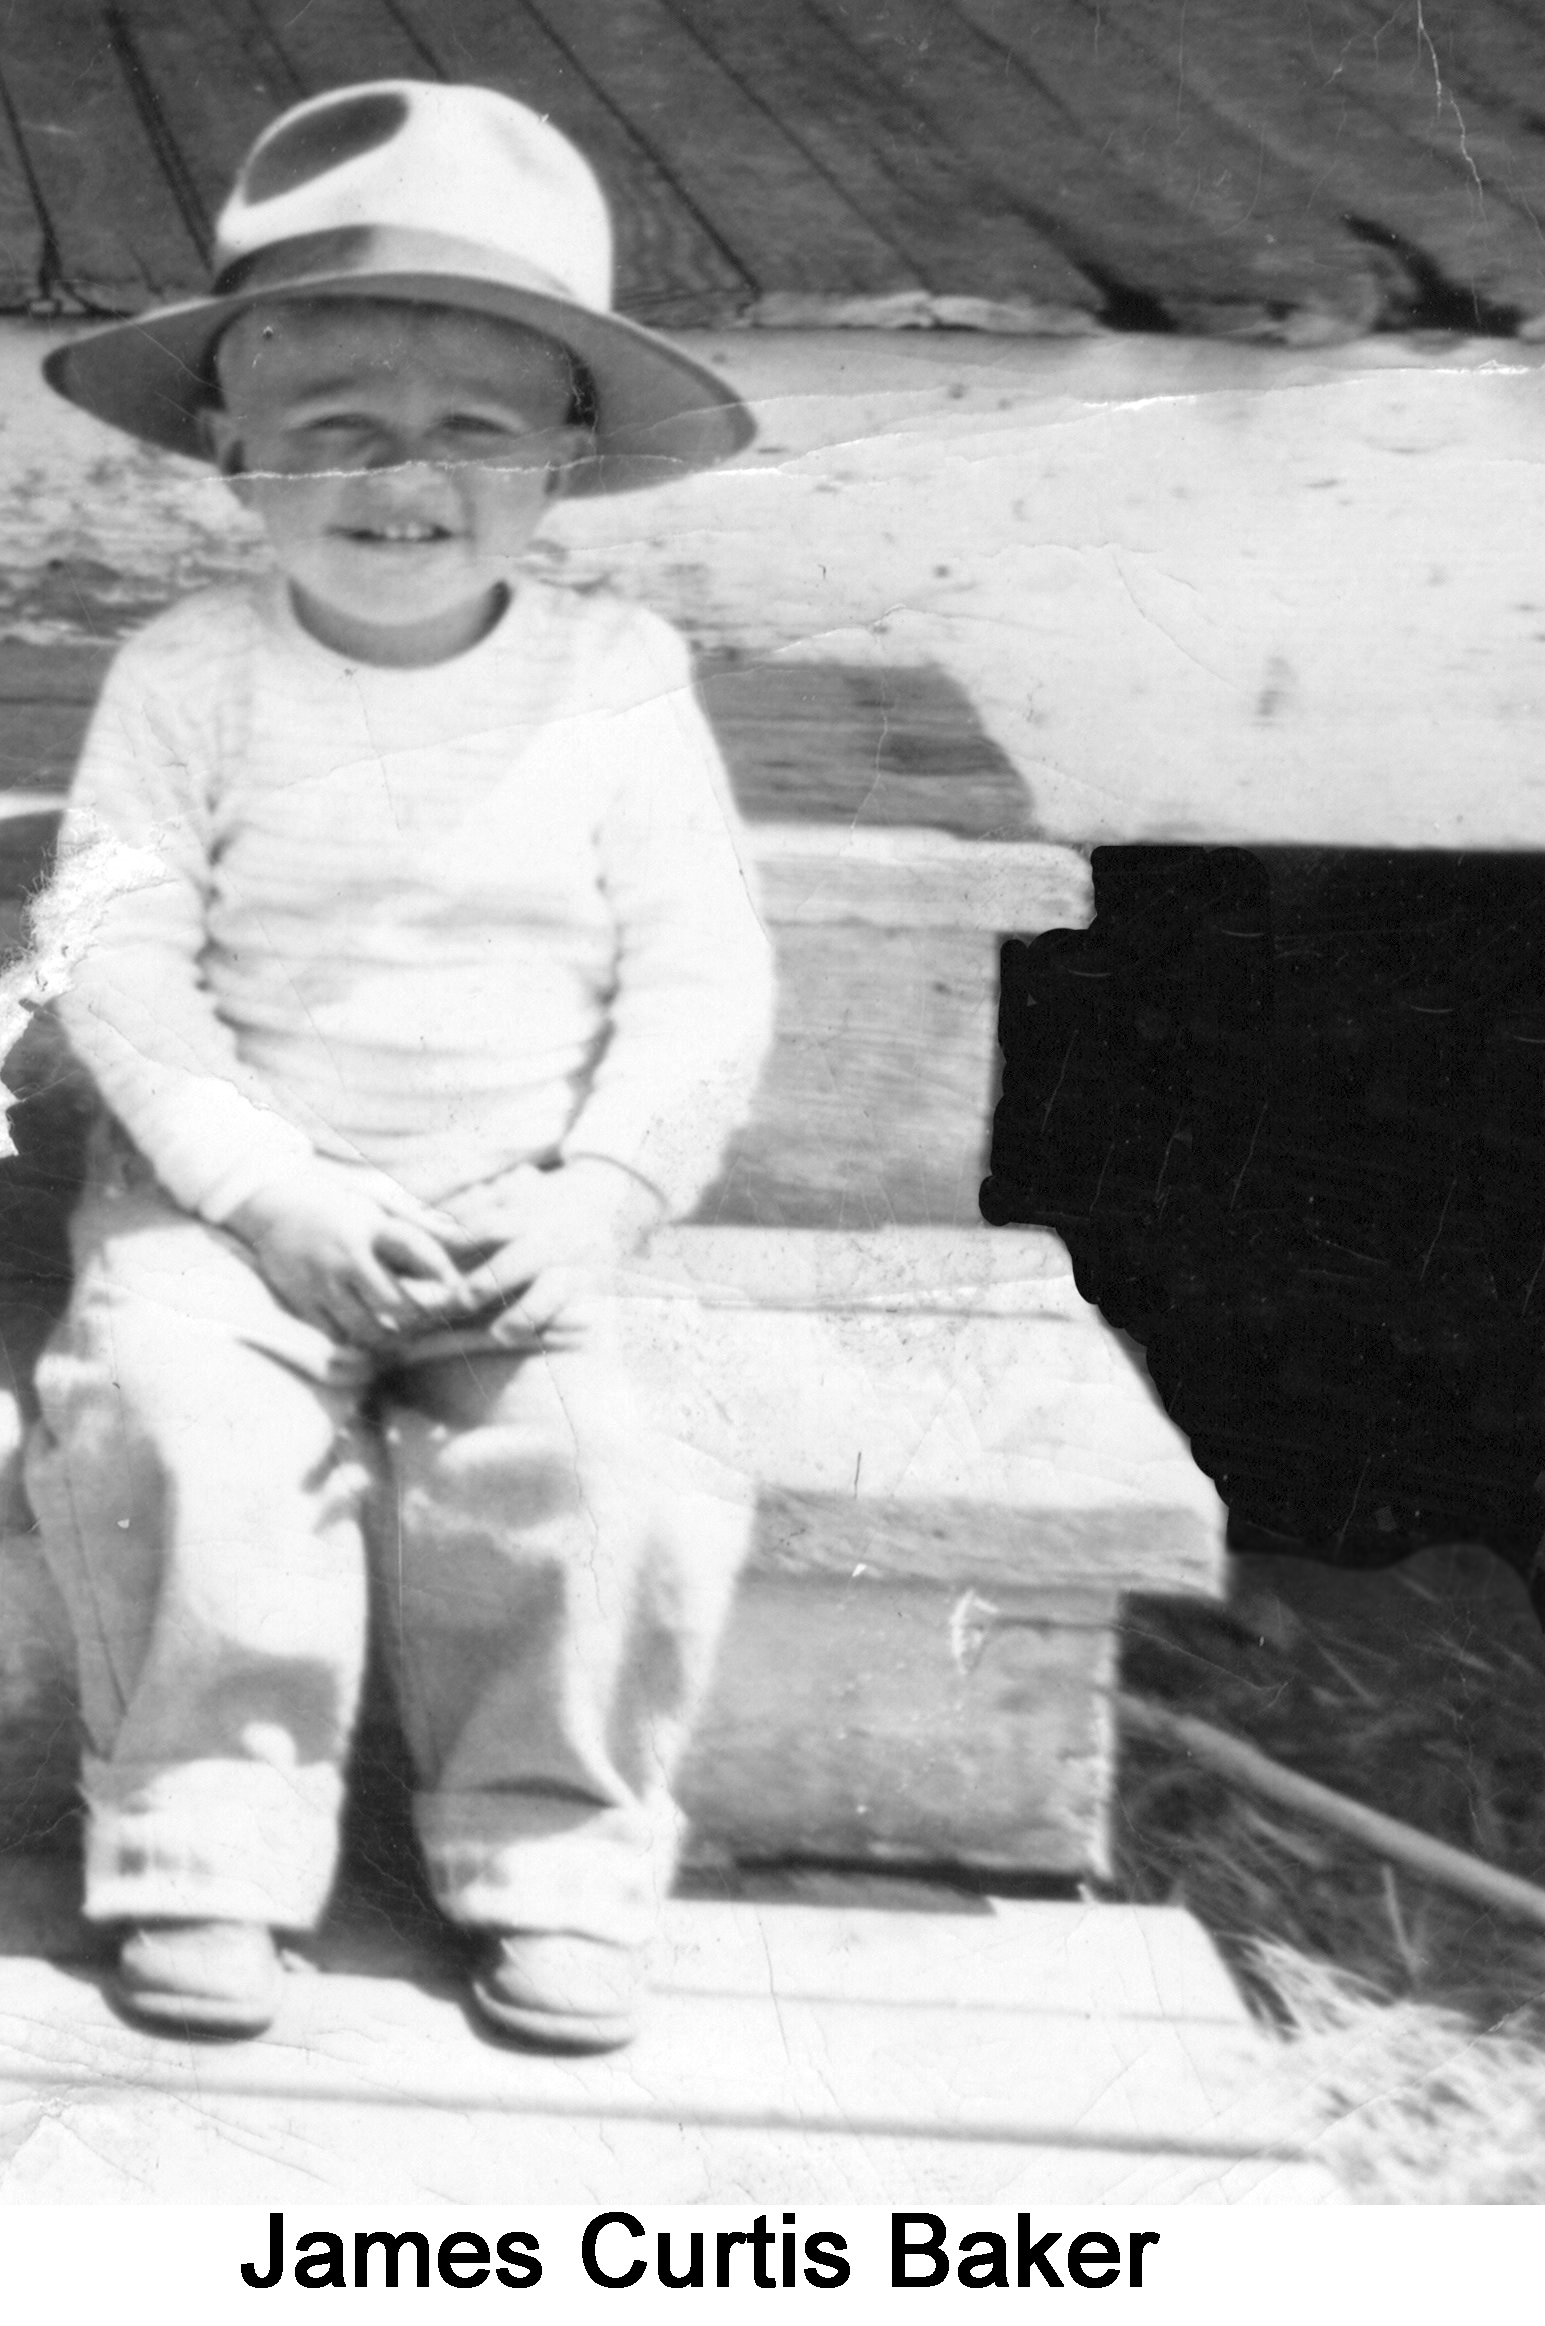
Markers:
point(876, 1102)
point(958, 1470)
point(991, 2054)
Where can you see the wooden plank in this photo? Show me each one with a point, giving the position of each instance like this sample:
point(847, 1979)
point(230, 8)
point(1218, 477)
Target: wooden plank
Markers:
point(875, 1107)
point(851, 1725)
point(39, 745)
point(26, 847)
point(46, 694)
point(1295, 80)
point(28, 262)
point(1142, 114)
point(810, 876)
point(206, 92)
point(69, 673)
point(1085, 1537)
point(884, 155)
point(673, 266)
point(831, 743)
point(855, 744)
point(917, 880)
point(950, 1502)
point(1466, 82)
point(972, 1271)
point(118, 236)
point(1037, 2054)
point(1152, 260)
point(783, 220)
point(1022, 1453)
point(1504, 40)
point(304, 50)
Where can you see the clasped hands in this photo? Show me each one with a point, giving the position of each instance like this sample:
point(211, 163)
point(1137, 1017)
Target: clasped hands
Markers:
point(350, 1251)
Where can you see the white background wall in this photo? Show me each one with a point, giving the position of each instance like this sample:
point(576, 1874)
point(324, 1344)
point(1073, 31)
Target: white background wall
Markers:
point(1196, 591)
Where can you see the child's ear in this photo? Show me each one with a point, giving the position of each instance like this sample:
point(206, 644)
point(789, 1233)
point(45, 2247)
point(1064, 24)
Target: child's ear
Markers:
point(225, 449)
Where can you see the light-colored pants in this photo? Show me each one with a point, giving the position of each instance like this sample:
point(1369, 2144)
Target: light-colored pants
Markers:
point(553, 1580)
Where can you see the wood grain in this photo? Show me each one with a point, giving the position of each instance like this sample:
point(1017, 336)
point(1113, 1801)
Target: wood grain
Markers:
point(973, 1271)
point(674, 266)
point(811, 873)
point(28, 260)
point(1039, 1565)
point(844, 1724)
point(824, 742)
point(855, 744)
point(206, 95)
point(119, 238)
point(1319, 90)
point(1140, 111)
point(1045, 165)
point(877, 1104)
point(875, 1107)
point(40, 744)
point(782, 220)
point(1019, 1449)
point(884, 155)
point(327, 47)
point(56, 673)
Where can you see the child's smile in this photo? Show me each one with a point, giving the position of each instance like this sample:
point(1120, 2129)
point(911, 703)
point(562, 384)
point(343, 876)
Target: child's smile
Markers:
point(400, 459)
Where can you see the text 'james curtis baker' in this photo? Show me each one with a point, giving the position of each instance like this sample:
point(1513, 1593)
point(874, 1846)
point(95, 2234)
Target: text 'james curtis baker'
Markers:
point(617, 2250)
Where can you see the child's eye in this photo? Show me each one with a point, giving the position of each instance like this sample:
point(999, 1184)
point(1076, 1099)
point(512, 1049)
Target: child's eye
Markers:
point(471, 425)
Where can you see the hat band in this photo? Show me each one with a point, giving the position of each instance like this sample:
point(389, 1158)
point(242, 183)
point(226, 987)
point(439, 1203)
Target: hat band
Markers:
point(381, 250)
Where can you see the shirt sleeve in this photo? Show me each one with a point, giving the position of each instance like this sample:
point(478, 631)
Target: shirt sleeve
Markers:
point(119, 938)
point(691, 1013)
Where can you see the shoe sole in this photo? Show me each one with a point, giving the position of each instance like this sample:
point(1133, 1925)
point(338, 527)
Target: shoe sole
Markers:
point(551, 2030)
point(170, 2013)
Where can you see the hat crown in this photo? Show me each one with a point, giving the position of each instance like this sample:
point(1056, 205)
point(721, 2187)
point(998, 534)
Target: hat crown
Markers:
point(427, 157)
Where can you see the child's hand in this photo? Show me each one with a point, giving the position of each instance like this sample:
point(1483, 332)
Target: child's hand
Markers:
point(352, 1253)
point(541, 1247)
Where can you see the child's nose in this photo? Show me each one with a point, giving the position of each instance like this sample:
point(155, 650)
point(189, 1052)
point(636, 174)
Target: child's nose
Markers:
point(391, 450)
point(403, 473)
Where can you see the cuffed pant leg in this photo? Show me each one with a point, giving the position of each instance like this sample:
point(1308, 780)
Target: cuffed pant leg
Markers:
point(198, 1489)
point(556, 1581)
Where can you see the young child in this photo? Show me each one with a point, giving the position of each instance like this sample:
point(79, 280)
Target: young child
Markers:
point(411, 949)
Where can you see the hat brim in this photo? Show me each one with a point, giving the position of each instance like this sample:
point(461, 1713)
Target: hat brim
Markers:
point(659, 413)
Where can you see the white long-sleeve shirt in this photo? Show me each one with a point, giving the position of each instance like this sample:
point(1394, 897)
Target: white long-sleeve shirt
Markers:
point(443, 920)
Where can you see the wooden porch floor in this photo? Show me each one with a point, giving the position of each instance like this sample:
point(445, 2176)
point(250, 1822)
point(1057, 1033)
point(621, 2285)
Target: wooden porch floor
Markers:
point(1215, 165)
point(823, 2039)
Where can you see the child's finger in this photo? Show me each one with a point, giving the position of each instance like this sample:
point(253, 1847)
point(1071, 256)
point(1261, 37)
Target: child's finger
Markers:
point(413, 1251)
point(422, 1298)
point(381, 1293)
point(412, 1210)
point(505, 1273)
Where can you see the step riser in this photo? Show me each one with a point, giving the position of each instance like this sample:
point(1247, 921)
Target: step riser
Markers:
point(869, 1724)
point(865, 1721)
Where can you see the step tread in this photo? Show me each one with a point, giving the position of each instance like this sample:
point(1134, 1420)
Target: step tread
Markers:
point(805, 2052)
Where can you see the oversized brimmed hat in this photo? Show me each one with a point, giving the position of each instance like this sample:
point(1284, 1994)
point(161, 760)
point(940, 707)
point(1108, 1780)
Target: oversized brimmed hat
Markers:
point(442, 196)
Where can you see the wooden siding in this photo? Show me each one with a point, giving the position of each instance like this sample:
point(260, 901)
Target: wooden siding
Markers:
point(1222, 166)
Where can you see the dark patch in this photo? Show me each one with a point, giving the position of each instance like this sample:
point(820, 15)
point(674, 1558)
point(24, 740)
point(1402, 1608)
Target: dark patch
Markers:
point(1431, 301)
point(832, 742)
point(1287, 1110)
point(320, 142)
point(1277, 691)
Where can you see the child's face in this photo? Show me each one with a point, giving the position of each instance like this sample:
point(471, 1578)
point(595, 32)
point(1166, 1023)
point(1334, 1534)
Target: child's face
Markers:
point(401, 459)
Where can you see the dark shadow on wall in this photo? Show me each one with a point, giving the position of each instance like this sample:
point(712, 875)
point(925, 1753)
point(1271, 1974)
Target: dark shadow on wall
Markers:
point(1287, 1109)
